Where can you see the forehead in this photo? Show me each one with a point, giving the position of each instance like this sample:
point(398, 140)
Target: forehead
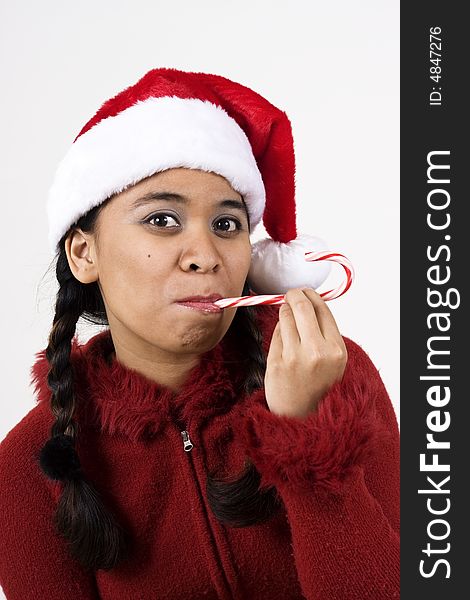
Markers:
point(186, 187)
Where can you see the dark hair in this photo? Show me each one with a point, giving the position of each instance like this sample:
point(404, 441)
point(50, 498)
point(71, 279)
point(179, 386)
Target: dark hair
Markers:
point(95, 537)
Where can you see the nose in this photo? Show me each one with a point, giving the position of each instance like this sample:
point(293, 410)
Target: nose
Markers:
point(200, 253)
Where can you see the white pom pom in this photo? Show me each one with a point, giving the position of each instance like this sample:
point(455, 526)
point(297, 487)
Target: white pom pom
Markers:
point(277, 267)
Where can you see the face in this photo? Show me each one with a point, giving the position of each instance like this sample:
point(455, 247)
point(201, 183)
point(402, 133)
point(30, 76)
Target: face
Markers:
point(149, 253)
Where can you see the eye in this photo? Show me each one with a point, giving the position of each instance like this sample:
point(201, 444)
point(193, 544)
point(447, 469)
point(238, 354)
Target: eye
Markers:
point(226, 224)
point(162, 219)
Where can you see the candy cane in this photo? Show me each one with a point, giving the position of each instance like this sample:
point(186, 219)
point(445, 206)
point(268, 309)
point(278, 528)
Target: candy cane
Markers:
point(279, 298)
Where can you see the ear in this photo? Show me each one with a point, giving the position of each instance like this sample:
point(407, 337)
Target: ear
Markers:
point(81, 256)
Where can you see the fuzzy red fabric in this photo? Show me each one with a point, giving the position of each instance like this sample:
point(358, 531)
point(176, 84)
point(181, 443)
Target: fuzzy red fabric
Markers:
point(336, 536)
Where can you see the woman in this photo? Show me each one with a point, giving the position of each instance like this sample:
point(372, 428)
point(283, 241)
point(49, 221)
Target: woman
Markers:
point(187, 450)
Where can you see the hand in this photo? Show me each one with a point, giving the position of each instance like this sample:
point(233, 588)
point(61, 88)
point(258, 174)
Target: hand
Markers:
point(306, 357)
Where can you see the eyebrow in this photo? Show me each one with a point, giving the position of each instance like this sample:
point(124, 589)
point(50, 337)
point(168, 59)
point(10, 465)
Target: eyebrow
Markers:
point(152, 196)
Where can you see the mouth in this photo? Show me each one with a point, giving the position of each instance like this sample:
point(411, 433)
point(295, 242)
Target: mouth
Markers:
point(202, 303)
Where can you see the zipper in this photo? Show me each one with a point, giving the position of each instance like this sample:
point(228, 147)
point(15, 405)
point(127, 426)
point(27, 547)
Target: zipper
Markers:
point(187, 447)
point(187, 443)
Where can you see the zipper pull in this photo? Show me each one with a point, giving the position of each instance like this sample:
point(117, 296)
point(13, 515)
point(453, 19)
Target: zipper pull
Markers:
point(188, 445)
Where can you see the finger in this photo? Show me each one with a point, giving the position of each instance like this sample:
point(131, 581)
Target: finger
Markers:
point(325, 318)
point(289, 332)
point(305, 317)
point(275, 348)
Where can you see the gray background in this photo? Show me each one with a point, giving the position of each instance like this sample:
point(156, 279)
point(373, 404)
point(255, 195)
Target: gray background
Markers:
point(334, 68)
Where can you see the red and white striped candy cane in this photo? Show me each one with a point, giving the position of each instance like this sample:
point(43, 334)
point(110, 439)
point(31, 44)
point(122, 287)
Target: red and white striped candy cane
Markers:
point(279, 298)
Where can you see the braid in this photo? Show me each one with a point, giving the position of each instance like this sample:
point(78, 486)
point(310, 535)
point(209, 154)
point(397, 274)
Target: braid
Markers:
point(95, 539)
point(238, 501)
point(60, 376)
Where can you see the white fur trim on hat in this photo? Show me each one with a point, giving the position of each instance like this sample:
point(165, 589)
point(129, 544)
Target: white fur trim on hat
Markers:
point(146, 138)
point(277, 267)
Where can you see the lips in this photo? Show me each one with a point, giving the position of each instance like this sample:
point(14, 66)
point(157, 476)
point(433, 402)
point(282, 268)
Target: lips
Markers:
point(202, 303)
point(205, 299)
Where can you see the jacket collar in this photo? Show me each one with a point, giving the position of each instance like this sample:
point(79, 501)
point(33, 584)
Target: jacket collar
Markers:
point(120, 400)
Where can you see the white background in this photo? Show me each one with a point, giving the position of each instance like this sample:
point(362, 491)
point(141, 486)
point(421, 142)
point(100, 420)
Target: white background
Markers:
point(333, 67)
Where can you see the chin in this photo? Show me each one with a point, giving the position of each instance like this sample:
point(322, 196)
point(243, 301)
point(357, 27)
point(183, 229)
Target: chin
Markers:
point(200, 338)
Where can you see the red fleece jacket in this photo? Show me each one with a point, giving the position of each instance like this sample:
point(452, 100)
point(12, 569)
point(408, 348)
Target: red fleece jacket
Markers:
point(336, 536)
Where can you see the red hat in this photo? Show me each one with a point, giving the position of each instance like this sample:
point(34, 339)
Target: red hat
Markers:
point(173, 118)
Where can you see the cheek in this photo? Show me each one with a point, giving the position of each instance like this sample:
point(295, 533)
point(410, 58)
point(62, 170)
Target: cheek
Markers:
point(133, 281)
point(238, 261)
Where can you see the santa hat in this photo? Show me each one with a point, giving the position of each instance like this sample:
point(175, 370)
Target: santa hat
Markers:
point(172, 118)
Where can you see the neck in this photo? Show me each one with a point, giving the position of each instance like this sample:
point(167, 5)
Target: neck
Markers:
point(166, 372)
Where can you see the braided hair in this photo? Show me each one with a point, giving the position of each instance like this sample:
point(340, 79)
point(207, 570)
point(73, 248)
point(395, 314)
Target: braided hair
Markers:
point(238, 501)
point(95, 537)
